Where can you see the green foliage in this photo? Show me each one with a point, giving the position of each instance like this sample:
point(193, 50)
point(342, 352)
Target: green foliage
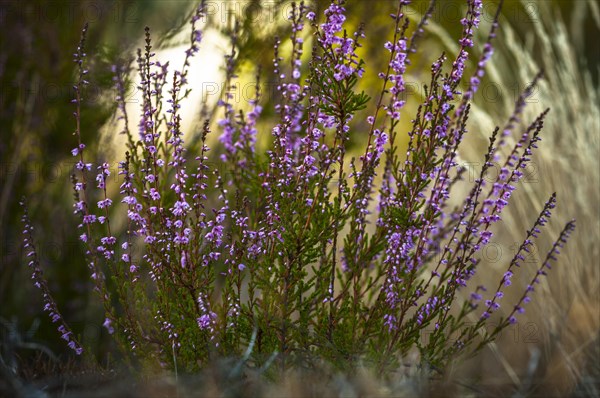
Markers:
point(285, 253)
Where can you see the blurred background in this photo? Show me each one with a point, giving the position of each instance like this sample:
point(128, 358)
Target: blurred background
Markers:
point(557, 345)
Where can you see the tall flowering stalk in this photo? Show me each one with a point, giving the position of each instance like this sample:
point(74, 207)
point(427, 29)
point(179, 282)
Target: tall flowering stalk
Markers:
point(308, 256)
point(37, 275)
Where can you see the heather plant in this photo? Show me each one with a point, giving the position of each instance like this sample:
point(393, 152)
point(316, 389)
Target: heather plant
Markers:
point(281, 247)
point(564, 314)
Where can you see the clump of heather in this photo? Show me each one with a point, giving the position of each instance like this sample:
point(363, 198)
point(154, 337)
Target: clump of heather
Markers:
point(298, 253)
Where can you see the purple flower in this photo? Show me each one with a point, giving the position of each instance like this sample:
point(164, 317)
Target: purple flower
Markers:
point(108, 325)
